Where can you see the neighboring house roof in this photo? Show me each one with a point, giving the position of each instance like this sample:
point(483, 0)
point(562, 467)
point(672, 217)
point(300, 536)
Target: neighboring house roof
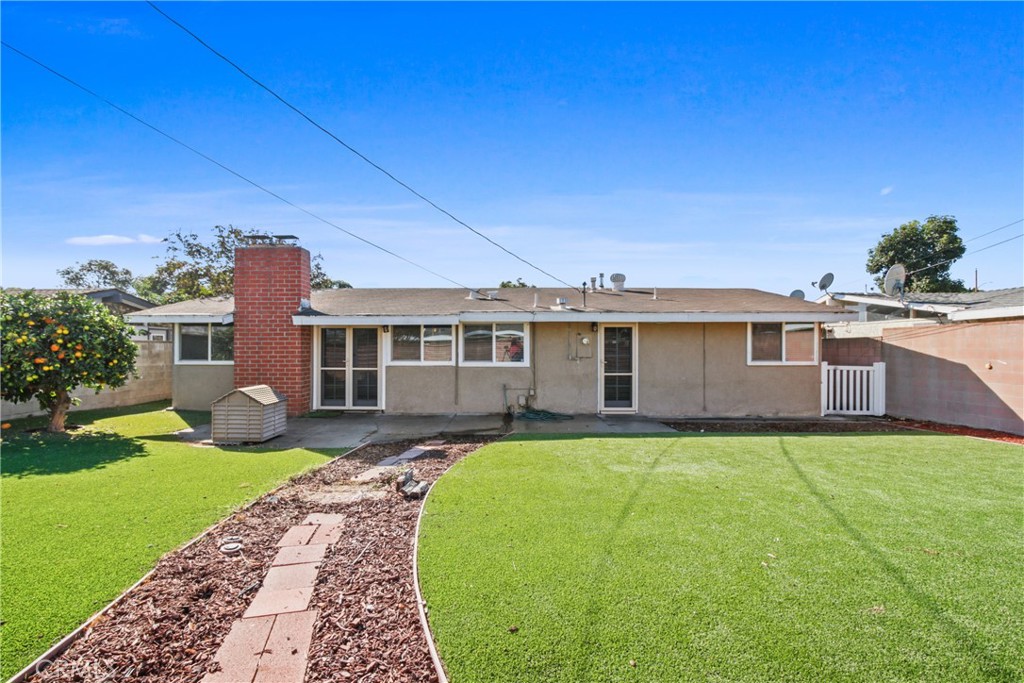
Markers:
point(449, 306)
point(117, 300)
point(996, 303)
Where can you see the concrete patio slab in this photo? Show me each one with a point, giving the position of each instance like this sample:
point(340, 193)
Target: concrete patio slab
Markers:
point(347, 430)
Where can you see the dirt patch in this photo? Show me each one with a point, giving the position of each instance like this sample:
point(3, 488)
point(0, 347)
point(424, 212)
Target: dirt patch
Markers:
point(990, 434)
point(169, 628)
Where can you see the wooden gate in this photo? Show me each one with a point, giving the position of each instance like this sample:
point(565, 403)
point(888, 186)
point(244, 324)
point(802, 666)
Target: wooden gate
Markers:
point(853, 389)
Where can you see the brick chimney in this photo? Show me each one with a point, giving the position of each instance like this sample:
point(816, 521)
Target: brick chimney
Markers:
point(270, 281)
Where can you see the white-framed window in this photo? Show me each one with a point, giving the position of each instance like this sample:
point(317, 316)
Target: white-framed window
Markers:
point(209, 343)
point(782, 343)
point(494, 344)
point(422, 345)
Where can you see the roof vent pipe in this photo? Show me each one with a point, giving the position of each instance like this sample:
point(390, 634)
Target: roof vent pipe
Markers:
point(536, 299)
point(593, 284)
point(618, 281)
point(655, 297)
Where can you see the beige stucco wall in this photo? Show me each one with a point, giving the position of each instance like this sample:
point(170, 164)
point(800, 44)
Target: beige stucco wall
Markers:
point(153, 365)
point(196, 386)
point(692, 369)
point(683, 370)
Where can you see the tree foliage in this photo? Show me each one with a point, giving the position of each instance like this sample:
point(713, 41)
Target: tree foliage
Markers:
point(192, 268)
point(518, 284)
point(928, 251)
point(97, 274)
point(52, 345)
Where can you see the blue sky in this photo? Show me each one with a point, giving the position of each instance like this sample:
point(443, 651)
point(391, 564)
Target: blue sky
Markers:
point(685, 145)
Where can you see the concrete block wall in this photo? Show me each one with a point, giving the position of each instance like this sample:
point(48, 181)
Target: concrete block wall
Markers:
point(969, 374)
point(154, 365)
point(851, 351)
point(270, 282)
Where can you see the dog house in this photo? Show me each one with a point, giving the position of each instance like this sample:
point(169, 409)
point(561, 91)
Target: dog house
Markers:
point(249, 415)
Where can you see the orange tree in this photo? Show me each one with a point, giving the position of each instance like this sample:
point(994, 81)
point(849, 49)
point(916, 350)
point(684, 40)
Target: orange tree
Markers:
point(49, 346)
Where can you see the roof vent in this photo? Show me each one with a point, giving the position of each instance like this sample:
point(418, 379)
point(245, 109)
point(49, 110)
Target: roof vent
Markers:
point(618, 281)
point(561, 301)
point(473, 295)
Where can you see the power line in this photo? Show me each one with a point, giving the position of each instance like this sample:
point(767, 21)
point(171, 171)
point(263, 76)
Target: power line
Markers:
point(230, 170)
point(1004, 227)
point(354, 150)
point(970, 239)
point(976, 251)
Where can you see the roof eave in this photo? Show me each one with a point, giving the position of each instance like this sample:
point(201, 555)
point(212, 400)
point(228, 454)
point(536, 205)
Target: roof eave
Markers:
point(988, 313)
point(578, 317)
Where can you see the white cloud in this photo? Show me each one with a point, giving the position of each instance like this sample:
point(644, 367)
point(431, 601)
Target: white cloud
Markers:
point(110, 240)
point(887, 190)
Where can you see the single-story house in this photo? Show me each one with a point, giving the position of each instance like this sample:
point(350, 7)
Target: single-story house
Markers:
point(618, 349)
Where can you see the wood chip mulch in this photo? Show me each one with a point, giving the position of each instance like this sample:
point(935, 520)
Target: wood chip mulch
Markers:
point(169, 628)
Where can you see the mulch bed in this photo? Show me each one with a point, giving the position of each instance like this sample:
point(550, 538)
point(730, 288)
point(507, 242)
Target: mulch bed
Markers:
point(169, 628)
point(810, 426)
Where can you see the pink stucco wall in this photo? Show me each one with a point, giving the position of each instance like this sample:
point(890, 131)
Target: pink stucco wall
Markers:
point(969, 374)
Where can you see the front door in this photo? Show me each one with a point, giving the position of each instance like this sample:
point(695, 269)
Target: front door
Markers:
point(618, 369)
point(349, 367)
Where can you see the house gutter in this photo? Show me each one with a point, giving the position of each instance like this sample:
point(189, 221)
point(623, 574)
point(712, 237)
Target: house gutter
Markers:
point(576, 317)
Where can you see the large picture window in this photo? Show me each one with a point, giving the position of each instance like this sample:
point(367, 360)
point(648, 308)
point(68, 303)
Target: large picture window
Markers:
point(782, 343)
point(422, 344)
point(206, 343)
point(494, 343)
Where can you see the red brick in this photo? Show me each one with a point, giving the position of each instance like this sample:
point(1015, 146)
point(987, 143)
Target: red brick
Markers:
point(287, 649)
point(239, 655)
point(280, 601)
point(299, 554)
point(297, 535)
point(291, 576)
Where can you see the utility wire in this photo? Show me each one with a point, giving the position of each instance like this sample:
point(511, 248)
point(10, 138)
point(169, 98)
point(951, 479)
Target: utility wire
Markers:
point(354, 150)
point(970, 239)
point(934, 265)
point(1004, 227)
point(226, 168)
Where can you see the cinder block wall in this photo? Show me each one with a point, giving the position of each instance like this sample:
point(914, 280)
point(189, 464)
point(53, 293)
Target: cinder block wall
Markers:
point(154, 366)
point(969, 374)
point(851, 351)
point(270, 281)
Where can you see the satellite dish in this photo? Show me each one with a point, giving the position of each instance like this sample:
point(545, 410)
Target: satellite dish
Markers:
point(798, 294)
point(824, 282)
point(895, 278)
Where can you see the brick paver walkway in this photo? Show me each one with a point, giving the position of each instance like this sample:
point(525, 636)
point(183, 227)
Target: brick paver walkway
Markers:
point(270, 643)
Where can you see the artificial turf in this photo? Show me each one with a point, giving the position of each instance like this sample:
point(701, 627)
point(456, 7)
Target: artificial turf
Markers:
point(85, 515)
point(729, 558)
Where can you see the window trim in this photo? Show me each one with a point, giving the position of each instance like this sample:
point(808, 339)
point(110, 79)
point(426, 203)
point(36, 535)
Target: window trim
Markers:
point(525, 363)
point(750, 345)
point(209, 346)
point(388, 347)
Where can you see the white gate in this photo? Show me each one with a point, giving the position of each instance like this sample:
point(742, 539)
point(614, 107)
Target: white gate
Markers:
point(852, 389)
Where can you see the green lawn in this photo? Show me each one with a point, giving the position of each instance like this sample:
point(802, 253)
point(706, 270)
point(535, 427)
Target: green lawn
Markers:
point(83, 517)
point(729, 558)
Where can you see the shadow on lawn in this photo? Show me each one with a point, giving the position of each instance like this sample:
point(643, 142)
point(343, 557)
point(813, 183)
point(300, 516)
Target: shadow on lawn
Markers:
point(582, 666)
point(993, 669)
point(42, 453)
